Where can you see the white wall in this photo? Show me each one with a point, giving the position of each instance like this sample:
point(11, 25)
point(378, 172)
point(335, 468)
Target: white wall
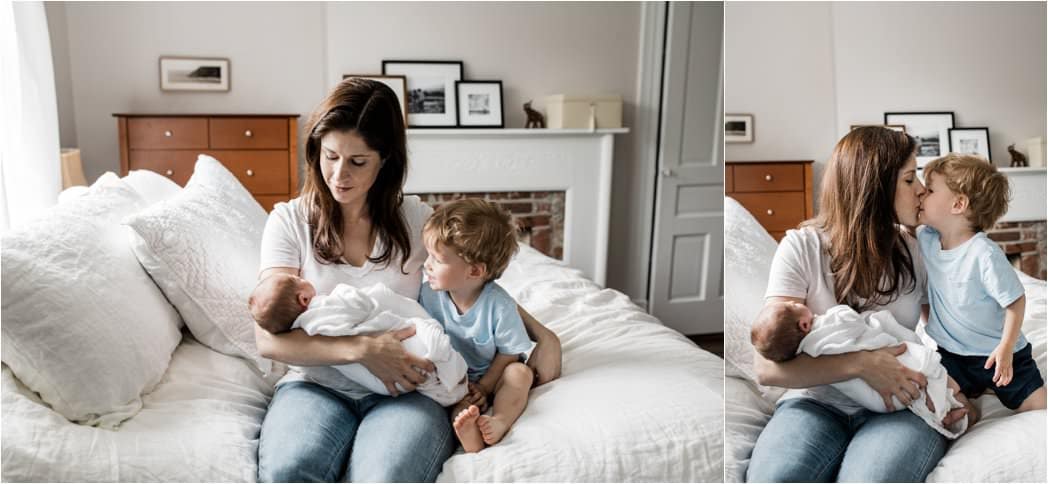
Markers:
point(983, 61)
point(275, 50)
point(778, 66)
point(285, 56)
point(808, 71)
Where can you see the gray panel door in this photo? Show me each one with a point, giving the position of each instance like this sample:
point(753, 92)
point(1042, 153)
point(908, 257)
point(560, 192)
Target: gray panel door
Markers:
point(687, 289)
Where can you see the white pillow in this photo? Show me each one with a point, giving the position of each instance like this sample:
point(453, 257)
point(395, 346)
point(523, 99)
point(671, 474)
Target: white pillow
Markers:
point(748, 252)
point(202, 248)
point(152, 186)
point(83, 324)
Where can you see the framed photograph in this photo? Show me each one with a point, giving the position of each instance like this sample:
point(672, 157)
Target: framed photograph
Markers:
point(894, 127)
point(971, 141)
point(194, 74)
point(431, 97)
point(399, 85)
point(738, 128)
point(479, 104)
point(931, 129)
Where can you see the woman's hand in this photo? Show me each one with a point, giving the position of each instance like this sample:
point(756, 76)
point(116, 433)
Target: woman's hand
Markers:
point(385, 357)
point(882, 371)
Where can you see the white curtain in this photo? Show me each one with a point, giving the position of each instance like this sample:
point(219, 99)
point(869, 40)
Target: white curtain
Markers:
point(30, 154)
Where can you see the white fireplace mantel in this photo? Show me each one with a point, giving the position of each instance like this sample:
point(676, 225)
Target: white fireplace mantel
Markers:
point(1028, 194)
point(576, 161)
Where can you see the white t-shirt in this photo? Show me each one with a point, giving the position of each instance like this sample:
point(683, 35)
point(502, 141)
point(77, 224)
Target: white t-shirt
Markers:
point(801, 269)
point(287, 241)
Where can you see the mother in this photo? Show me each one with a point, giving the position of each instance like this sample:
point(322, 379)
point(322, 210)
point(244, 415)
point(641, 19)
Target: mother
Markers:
point(859, 251)
point(352, 224)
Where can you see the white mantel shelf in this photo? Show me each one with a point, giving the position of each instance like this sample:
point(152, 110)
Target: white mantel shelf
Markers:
point(1028, 193)
point(512, 132)
point(575, 161)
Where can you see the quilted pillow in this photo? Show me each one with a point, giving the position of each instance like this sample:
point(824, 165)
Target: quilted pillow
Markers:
point(202, 248)
point(83, 324)
point(152, 186)
point(748, 252)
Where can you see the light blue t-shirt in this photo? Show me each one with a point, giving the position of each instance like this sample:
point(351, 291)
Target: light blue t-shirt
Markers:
point(968, 288)
point(492, 325)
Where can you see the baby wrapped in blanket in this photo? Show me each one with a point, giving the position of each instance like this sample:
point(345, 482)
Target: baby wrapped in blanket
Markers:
point(282, 302)
point(785, 329)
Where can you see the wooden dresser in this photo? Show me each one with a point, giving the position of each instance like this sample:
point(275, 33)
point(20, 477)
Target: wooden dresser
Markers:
point(261, 150)
point(777, 193)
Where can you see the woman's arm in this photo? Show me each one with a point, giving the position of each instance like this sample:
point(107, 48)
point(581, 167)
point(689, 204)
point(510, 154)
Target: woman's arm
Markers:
point(545, 358)
point(383, 355)
point(878, 368)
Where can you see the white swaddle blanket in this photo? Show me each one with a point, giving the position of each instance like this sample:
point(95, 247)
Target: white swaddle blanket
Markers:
point(349, 311)
point(842, 330)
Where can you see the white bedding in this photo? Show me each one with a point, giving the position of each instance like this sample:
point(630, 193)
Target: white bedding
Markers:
point(1002, 447)
point(636, 402)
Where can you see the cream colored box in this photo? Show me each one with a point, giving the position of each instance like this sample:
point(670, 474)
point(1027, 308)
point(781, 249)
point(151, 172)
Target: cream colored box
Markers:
point(585, 112)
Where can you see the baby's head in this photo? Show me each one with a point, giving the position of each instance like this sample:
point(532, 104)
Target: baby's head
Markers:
point(278, 299)
point(966, 189)
point(779, 329)
point(469, 241)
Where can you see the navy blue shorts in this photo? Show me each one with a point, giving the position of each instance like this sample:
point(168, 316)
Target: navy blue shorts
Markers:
point(973, 379)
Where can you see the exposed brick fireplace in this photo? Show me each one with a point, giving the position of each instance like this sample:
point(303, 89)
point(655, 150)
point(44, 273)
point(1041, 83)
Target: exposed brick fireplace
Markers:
point(1024, 244)
point(539, 215)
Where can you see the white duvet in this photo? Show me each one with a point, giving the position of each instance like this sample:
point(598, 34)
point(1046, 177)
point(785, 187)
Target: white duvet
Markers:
point(636, 402)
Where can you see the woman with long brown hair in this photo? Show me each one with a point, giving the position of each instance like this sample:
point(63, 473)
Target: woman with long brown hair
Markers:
point(858, 251)
point(352, 224)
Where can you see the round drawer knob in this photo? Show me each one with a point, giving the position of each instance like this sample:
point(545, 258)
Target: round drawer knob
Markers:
point(771, 212)
point(168, 134)
point(768, 178)
point(248, 133)
point(169, 172)
point(250, 173)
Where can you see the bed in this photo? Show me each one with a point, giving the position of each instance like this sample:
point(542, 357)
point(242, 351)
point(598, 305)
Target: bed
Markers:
point(1002, 447)
point(637, 401)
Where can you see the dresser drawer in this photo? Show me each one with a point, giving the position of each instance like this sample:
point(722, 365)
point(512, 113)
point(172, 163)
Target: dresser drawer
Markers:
point(261, 172)
point(768, 177)
point(166, 133)
point(249, 133)
point(774, 211)
point(175, 164)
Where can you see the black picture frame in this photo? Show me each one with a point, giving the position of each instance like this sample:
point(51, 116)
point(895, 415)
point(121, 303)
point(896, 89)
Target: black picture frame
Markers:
point(930, 128)
point(959, 146)
point(419, 99)
point(467, 118)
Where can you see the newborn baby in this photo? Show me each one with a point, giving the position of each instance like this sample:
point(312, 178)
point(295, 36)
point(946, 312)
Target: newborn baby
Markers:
point(282, 302)
point(784, 329)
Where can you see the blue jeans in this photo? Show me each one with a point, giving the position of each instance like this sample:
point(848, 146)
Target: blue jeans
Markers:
point(808, 441)
point(312, 434)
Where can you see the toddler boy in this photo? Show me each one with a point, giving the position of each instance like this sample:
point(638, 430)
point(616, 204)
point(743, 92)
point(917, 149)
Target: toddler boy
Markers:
point(977, 301)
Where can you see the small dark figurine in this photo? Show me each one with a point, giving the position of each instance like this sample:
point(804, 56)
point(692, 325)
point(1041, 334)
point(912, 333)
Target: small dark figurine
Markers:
point(535, 118)
point(1018, 159)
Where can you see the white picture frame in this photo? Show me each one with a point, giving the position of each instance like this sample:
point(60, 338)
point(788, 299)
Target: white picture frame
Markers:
point(738, 128)
point(194, 74)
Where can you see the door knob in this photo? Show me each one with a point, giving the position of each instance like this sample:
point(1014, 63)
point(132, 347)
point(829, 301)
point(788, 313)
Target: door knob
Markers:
point(666, 172)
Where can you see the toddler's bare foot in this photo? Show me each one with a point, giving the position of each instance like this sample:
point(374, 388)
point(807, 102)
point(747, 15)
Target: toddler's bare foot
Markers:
point(465, 425)
point(492, 429)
